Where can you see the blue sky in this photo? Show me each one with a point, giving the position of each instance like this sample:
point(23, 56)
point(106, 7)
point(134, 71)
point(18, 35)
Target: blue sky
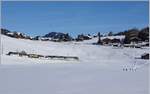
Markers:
point(39, 18)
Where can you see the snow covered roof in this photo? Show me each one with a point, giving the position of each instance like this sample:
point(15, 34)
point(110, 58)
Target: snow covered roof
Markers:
point(10, 33)
point(114, 37)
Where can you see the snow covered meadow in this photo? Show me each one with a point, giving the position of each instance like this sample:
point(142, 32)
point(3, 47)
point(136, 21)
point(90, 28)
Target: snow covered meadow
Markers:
point(99, 70)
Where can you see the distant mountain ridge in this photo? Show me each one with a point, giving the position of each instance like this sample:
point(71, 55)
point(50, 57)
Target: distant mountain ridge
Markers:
point(14, 34)
point(52, 36)
point(58, 36)
point(134, 34)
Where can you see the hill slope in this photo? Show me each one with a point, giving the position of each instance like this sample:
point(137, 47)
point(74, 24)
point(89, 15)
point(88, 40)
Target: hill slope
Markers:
point(84, 50)
point(98, 71)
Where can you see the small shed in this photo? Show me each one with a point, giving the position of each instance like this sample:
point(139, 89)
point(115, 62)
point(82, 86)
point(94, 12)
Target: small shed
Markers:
point(145, 56)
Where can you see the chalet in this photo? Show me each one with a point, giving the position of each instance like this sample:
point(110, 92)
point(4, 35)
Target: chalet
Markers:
point(111, 42)
point(106, 41)
point(134, 40)
point(115, 40)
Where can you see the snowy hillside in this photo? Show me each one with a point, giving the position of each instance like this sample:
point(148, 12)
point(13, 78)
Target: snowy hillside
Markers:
point(84, 50)
point(98, 71)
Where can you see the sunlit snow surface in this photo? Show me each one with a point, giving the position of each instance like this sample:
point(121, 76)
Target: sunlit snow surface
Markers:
point(98, 71)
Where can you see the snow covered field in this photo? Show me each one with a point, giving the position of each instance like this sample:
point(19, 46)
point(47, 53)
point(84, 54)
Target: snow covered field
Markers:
point(98, 71)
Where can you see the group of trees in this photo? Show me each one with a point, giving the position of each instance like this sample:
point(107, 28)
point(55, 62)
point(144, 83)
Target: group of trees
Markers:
point(136, 35)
